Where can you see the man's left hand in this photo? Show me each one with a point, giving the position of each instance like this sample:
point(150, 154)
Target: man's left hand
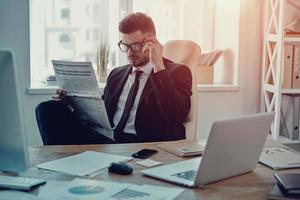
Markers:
point(155, 53)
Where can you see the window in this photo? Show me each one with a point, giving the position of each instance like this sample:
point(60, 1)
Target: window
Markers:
point(87, 10)
point(87, 35)
point(64, 38)
point(96, 35)
point(172, 18)
point(212, 24)
point(65, 14)
point(69, 30)
point(96, 10)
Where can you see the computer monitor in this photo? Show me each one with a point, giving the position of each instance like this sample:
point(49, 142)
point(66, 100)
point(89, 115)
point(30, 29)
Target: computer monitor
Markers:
point(13, 146)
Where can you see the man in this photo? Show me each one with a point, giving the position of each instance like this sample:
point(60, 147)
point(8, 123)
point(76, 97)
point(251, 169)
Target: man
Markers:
point(147, 100)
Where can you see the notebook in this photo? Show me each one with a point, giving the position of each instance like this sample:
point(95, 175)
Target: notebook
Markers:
point(277, 194)
point(289, 182)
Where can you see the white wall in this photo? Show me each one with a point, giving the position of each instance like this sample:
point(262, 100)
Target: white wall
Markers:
point(226, 37)
point(14, 34)
point(14, 31)
point(221, 105)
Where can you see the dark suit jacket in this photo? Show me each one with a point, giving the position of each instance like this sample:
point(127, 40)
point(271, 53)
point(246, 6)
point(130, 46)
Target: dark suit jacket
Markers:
point(164, 103)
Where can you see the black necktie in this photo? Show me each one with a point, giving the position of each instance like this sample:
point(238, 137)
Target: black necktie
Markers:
point(128, 105)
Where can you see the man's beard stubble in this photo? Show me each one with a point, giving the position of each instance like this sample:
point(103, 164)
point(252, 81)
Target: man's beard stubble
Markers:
point(140, 63)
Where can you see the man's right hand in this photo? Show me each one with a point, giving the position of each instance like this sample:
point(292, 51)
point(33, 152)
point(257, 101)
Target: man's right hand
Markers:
point(61, 95)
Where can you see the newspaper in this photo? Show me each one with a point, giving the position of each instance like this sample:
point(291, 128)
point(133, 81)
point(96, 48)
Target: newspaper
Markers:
point(78, 79)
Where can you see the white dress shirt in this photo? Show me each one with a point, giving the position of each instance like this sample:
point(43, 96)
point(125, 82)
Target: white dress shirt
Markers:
point(130, 128)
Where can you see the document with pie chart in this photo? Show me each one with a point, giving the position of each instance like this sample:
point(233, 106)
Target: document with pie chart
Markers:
point(88, 189)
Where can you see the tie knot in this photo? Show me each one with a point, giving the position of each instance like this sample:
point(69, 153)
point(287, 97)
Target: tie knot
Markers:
point(138, 74)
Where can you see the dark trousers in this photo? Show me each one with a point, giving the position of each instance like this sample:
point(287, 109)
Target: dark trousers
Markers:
point(59, 125)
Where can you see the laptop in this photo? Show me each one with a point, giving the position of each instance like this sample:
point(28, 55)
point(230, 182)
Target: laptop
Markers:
point(233, 148)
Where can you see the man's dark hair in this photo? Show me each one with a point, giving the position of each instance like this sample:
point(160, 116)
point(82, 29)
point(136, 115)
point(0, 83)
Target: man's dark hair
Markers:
point(137, 22)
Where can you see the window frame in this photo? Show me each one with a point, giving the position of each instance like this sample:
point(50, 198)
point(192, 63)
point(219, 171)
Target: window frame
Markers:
point(126, 7)
point(38, 36)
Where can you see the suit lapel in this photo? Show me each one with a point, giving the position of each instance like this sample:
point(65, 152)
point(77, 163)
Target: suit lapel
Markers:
point(149, 86)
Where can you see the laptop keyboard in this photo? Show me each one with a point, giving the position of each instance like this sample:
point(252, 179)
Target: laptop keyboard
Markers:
point(188, 175)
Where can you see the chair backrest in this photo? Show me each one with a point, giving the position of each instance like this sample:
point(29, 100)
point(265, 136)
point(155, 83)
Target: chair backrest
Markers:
point(186, 52)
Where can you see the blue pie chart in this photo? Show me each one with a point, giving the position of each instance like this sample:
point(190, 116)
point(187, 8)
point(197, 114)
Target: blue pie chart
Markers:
point(86, 189)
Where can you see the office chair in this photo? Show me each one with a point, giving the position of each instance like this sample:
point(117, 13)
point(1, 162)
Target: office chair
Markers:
point(187, 53)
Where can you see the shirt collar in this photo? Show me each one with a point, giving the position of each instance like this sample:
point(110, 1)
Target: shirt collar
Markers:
point(146, 68)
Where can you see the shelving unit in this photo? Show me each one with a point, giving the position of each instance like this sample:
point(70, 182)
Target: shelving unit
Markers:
point(273, 61)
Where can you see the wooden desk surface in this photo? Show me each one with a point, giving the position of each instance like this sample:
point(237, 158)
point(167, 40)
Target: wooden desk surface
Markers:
point(254, 185)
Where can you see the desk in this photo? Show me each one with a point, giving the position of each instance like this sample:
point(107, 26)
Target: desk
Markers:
point(254, 185)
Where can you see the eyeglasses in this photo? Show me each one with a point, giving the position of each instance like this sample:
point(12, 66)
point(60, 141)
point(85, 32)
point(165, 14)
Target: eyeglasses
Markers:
point(135, 47)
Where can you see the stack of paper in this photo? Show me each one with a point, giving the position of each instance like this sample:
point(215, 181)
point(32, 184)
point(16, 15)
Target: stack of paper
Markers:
point(183, 148)
point(84, 164)
point(92, 190)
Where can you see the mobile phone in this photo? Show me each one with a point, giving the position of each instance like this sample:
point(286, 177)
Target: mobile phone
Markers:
point(144, 153)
